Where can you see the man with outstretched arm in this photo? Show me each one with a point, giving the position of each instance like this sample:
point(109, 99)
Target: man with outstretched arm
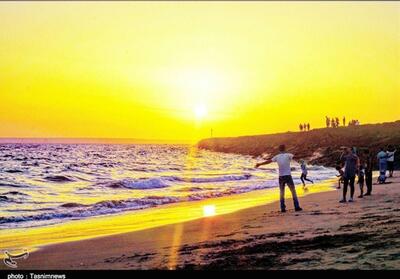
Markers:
point(285, 177)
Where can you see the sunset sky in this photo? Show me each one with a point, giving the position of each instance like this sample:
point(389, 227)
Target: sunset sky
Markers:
point(175, 70)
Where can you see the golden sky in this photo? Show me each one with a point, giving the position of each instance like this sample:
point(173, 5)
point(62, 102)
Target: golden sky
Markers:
point(174, 70)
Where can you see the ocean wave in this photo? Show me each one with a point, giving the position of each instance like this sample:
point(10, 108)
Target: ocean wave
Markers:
point(4, 198)
point(72, 204)
point(6, 184)
point(223, 178)
point(318, 168)
point(194, 189)
point(100, 208)
point(166, 181)
point(59, 178)
point(13, 171)
point(140, 184)
point(14, 193)
point(233, 191)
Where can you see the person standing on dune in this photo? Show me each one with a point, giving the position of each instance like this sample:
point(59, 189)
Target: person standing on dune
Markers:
point(333, 123)
point(285, 177)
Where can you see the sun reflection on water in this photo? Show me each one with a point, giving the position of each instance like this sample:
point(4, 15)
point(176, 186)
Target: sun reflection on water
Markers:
point(209, 210)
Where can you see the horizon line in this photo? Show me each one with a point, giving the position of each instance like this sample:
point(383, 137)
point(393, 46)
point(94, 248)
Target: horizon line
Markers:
point(94, 140)
point(89, 140)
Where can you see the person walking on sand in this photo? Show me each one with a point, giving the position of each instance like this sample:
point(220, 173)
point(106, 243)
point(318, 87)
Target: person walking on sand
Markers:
point(308, 126)
point(351, 164)
point(285, 177)
point(304, 172)
point(301, 128)
point(344, 121)
point(369, 165)
point(390, 160)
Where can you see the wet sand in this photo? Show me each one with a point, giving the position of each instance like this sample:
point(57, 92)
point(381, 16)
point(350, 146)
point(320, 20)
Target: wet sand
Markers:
point(326, 235)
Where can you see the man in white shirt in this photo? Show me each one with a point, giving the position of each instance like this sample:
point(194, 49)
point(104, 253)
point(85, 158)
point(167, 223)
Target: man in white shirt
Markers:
point(285, 177)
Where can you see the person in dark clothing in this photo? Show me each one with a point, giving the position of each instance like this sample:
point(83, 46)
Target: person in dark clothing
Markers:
point(308, 126)
point(301, 127)
point(344, 121)
point(369, 165)
point(390, 160)
point(360, 181)
point(351, 163)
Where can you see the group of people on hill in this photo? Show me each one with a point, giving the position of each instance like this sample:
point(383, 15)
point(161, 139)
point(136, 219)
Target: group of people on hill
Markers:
point(304, 127)
point(331, 122)
point(354, 122)
point(351, 164)
point(334, 121)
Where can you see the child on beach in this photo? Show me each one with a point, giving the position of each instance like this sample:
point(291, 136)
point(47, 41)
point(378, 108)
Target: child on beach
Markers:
point(340, 175)
point(361, 180)
point(304, 172)
point(382, 162)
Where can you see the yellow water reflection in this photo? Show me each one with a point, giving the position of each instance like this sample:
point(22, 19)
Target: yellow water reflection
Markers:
point(175, 245)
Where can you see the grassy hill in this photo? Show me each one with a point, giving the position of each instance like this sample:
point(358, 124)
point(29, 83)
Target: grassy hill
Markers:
point(318, 146)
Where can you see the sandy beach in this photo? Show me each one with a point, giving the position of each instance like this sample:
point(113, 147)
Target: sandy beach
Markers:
point(326, 235)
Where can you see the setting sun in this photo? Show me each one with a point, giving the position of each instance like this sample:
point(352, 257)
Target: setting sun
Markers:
point(200, 112)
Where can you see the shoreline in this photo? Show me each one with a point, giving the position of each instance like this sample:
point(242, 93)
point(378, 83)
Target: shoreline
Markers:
point(35, 238)
point(362, 235)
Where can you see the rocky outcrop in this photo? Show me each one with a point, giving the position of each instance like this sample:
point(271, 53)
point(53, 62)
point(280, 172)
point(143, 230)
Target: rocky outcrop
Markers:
point(318, 146)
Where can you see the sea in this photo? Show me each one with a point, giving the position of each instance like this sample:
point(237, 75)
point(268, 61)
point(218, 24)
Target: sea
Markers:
point(46, 184)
